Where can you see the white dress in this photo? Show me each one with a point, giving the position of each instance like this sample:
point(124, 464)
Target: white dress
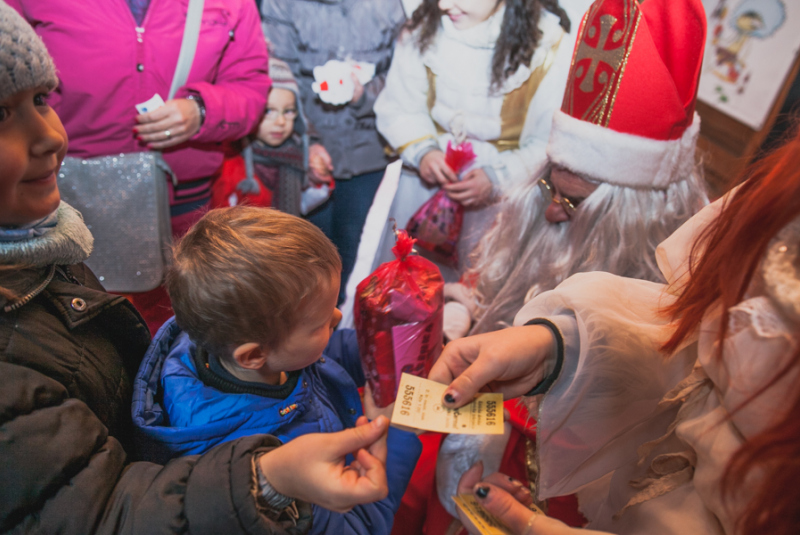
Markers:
point(642, 438)
point(465, 106)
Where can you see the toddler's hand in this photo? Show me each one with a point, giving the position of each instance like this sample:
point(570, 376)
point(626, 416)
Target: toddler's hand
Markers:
point(433, 169)
point(371, 410)
point(475, 189)
point(358, 89)
point(312, 468)
point(320, 165)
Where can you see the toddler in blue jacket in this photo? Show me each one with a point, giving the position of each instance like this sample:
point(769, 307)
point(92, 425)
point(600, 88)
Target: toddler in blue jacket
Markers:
point(252, 349)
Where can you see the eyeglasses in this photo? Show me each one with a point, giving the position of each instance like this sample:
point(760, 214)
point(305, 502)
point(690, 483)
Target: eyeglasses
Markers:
point(273, 113)
point(549, 192)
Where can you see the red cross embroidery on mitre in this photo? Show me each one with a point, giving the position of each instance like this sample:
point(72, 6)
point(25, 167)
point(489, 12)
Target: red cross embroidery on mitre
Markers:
point(598, 64)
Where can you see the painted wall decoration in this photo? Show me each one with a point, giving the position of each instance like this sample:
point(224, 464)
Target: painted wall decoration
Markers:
point(750, 48)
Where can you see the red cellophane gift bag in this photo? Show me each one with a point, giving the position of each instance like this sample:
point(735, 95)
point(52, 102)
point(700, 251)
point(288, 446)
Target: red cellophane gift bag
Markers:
point(398, 319)
point(436, 225)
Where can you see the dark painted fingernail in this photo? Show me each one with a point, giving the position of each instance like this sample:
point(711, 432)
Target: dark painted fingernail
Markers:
point(482, 492)
point(448, 398)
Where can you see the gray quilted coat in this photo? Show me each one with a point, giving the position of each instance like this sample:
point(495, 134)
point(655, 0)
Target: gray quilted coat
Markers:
point(307, 33)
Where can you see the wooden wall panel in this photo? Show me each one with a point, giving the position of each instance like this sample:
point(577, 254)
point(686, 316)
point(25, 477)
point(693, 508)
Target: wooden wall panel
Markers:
point(726, 146)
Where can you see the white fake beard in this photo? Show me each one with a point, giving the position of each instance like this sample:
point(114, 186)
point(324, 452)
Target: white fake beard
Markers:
point(616, 229)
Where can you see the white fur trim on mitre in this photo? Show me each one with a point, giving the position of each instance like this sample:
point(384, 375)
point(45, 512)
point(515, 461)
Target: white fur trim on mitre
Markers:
point(621, 159)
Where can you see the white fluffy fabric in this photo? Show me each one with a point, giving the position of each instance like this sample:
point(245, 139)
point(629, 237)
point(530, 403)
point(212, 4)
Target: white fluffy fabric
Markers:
point(621, 159)
point(616, 230)
point(458, 453)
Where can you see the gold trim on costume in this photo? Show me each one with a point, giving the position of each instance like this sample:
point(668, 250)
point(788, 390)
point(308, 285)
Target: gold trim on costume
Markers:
point(515, 103)
point(599, 110)
point(624, 64)
point(403, 147)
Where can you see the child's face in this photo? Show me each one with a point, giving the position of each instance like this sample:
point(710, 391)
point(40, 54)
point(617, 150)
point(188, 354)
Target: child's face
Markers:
point(308, 340)
point(278, 122)
point(32, 146)
point(466, 14)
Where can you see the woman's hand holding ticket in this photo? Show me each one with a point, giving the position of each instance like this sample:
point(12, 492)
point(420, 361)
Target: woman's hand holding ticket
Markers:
point(508, 361)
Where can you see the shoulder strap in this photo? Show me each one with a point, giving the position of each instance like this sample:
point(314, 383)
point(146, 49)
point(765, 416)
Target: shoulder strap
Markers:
point(191, 34)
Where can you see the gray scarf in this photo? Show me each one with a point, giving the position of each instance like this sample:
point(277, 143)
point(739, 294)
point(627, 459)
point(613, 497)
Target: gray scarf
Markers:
point(30, 230)
point(60, 238)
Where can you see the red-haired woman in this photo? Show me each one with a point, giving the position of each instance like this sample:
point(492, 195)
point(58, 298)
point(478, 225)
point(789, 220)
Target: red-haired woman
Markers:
point(667, 409)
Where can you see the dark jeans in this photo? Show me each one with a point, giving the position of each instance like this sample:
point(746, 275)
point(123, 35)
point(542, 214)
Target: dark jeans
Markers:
point(342, 217)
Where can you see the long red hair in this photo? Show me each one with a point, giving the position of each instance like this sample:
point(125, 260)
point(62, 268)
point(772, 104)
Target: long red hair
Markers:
point(725, 258)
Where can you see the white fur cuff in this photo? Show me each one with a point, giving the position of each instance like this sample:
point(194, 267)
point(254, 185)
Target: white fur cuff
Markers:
point(621, 159)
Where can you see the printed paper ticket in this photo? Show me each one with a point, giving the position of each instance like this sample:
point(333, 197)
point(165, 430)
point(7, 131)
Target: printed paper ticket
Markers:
point(419, 405)
point(486, 522)
point(154, 103)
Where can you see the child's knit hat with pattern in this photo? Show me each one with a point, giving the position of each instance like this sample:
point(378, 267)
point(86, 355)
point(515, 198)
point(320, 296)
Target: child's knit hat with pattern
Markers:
point(24, 61)
point(282, 77)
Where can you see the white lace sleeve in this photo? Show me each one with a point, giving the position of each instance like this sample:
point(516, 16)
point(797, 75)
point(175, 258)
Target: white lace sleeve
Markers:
point(758, 346)
point(605, 402)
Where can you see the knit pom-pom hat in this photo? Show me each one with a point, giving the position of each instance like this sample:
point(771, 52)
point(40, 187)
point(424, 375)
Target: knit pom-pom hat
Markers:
point(24, 61)
point(282, 76)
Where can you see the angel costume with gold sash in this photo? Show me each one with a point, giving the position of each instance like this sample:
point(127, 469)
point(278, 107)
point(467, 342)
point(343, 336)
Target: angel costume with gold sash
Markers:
point(642, 438)
point(445, 95)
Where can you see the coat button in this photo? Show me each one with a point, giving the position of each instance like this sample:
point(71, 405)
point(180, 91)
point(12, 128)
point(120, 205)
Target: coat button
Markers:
point(353, 412)
point(78, 304)
point(139, 67)
point(305, 384)
point(322, 360)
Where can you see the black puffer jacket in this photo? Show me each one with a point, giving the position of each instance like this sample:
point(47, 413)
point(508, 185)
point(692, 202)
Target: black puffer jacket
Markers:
point(68, 351)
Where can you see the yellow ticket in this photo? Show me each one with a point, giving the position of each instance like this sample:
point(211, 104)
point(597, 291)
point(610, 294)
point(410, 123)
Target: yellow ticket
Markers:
point(419, 405)
point(486, 522)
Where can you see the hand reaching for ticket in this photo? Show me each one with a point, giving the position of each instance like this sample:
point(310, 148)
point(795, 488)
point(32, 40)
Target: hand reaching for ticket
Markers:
point(510, 361)
point(419, 406)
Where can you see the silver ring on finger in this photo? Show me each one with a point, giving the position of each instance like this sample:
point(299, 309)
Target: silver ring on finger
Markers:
point(168, 134)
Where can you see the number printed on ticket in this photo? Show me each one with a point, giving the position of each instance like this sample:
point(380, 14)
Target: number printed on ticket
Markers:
point(419, 405)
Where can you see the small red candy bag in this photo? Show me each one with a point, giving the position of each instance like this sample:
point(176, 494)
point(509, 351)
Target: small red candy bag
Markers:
point(460, 156)
point(436, 225)
point(398, 319)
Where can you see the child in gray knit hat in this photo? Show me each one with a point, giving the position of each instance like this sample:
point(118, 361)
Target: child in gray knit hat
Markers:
point(32, 139)
point(288, 158)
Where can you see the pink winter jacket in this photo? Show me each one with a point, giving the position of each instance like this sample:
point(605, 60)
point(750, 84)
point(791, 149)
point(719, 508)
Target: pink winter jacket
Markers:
point(106, 65)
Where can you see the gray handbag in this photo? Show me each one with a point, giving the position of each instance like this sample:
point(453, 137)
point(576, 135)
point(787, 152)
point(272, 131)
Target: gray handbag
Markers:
point(124, 198)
